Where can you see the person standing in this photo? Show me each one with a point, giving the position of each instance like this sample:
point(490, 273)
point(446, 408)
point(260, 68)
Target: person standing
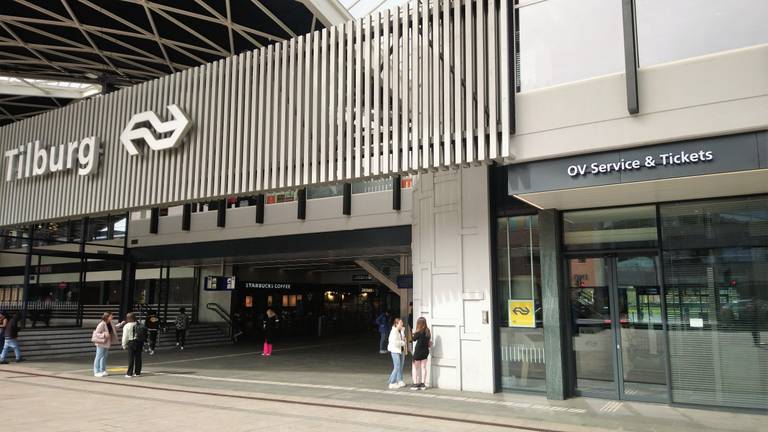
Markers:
point(422, 341)
point(396, 348)
point(270, 328)
point(3, 322)
point(103, 337)
point(382, 322)
point(153, 325)
point(134, 336)
point(182, 324)
point(11, 335)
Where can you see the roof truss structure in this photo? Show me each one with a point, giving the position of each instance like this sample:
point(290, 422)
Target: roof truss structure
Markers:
point(121, 43)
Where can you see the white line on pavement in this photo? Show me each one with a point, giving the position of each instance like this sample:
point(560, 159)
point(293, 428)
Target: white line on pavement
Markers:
point(418, 394)
point(249, 353)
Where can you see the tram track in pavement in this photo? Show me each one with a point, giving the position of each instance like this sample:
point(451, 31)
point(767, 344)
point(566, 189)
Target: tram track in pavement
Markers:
point(287, 401)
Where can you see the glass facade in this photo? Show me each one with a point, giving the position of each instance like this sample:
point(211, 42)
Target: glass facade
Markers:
point(518, 285)
point(716, 278)
point(616, 228)
point(557, 46)
point(680, 29)
point(681, 319)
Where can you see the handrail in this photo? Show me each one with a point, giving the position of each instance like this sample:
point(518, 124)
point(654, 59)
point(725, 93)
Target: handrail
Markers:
point(223, 314)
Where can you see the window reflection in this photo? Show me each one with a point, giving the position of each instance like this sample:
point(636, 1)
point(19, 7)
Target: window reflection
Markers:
point(716, 279)
point(518, 279)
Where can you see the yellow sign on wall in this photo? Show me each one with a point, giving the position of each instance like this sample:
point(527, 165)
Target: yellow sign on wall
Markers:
point(521, 313)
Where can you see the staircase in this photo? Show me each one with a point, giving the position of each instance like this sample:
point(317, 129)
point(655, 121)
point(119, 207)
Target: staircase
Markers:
point(69, 342)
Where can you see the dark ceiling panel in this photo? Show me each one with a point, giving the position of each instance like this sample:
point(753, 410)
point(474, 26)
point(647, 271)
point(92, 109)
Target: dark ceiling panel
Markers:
point(41, 38)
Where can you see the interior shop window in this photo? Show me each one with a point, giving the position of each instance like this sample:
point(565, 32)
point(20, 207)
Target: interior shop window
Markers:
point(324, 191)
point(62, 231)
point(16, 237)
point(45, 234)
point(518, 287)
point(182, 291)
point(614, 228)
point(76, 230)
point(375, 185)
point(715, 257)
point(98, 228)
point(119, 225)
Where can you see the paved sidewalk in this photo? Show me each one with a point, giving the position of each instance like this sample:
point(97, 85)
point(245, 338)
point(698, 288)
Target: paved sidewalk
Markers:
point(343, 374)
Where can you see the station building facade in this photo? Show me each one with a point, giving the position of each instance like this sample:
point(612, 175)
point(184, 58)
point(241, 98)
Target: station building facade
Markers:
point(582, 210)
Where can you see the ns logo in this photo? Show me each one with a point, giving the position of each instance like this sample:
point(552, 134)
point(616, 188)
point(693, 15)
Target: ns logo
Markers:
point(137, 130)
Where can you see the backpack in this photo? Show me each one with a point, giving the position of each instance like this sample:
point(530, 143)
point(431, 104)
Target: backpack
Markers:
point(140, 333)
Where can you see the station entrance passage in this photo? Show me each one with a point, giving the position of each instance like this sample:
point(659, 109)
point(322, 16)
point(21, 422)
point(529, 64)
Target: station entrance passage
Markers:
point(324, 287)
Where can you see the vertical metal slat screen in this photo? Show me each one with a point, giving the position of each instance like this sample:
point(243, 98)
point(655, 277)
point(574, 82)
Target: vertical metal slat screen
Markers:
point(422, 86)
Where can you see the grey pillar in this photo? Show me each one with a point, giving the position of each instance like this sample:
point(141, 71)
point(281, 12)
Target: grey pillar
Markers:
point(554, 301)
point(27, 276)
point(630, 55)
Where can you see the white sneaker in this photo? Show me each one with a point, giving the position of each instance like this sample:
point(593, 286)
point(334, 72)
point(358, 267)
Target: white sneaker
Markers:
point(105, 373)
point(98, 375)
point(151, 352)
point(128, 376)
point(400, 384)
point(393, 386)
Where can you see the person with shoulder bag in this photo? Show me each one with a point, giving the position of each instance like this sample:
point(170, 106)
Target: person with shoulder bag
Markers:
point(422, 339)
point(103, 337)
point(135, 334)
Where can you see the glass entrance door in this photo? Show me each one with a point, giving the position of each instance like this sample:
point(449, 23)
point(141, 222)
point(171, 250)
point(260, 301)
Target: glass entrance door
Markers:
point(618, 343)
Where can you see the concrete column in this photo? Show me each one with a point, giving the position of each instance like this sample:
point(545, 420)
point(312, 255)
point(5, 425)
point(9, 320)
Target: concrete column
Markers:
point(554, 301)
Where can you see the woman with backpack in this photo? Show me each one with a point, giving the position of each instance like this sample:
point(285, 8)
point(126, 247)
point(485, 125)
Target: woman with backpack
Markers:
point(422, 341)
point(134, 335)
point(103, 337)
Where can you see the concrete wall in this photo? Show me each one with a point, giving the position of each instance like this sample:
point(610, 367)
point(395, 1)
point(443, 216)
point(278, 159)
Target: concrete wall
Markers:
point(369, 210)
point(223, 298)
point(711, 95)
point(452, 275)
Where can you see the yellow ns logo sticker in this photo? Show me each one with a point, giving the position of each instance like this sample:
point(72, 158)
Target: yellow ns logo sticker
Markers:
point(521, 313)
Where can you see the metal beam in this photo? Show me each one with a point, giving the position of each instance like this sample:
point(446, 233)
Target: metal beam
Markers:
point(88, 38)
point(378, 275)
point(329, 12)
point(630, 55)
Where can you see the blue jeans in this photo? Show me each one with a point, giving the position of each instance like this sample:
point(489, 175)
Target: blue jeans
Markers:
point(100, 363)
point(397, 368)
point(10, 343)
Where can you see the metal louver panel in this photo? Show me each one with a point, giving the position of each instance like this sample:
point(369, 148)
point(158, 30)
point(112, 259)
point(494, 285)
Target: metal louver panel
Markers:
point(422, 86)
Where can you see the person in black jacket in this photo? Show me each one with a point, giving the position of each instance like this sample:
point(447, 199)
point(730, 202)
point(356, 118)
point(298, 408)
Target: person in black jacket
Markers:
point(270, 327)
point(11, 334)
point(422, 339)
point(153, 325)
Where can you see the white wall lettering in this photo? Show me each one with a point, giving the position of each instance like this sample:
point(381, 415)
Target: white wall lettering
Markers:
point(646, 162)
point(32, 159)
